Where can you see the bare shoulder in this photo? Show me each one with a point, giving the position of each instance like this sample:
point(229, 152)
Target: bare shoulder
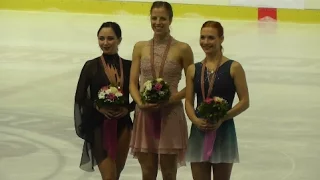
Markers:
point(236, 65)
point(137, 50)
point(236, 68)
point(186, 54)
point(184, 47)
point(140, 44)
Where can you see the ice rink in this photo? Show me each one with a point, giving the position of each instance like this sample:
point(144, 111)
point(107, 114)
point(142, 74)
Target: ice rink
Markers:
point(41, 55)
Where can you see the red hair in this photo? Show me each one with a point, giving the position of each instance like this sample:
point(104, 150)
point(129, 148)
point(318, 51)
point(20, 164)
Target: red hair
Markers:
point(215, 25)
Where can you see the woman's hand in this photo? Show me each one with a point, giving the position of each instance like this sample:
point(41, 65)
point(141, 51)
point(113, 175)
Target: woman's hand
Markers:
point(158, 105)
point(205, 125)
point(171, 101)
point(149, 106)
point(107, 112)
point(120, 112)
point(214, 126)
point(201, 124)
point(113, 112)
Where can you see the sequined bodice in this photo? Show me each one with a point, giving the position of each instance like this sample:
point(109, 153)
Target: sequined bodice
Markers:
point(171, 72)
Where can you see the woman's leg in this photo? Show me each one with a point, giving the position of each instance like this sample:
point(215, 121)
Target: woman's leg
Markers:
point(201, 170)
point(149, 165)
point(122, 151)
point(106, 165)
point(222, 171)
point(168, 164)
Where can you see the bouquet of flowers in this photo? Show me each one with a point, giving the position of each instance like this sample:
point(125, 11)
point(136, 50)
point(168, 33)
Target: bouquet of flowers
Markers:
point(109, 95)
point(213, 109)
point(155, 91)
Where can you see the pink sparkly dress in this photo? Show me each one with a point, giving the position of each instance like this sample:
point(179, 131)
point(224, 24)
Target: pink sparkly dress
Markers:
point(173, 135)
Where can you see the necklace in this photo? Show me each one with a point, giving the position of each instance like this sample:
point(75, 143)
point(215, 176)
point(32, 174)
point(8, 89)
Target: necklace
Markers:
point(164, 58)
point(211, 78)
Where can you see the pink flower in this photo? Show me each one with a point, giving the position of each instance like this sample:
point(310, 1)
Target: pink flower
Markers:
point(158, 87)
point(208, 100)
point(111, 96)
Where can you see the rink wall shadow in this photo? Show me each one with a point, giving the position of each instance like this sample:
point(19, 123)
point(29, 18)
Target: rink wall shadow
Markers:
point(180, 10)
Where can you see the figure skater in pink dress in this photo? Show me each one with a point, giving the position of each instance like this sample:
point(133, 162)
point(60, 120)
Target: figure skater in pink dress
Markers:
point(160, 141)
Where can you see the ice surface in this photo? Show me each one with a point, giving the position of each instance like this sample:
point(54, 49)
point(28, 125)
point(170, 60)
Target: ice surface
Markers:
point(41, 55)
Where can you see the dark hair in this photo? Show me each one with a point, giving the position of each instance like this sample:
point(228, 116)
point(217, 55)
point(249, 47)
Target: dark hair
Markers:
point(216, 25)
point(114, 26)
point(164, 4)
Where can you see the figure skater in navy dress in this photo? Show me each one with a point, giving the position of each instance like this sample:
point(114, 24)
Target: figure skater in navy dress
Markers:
point(226, 78)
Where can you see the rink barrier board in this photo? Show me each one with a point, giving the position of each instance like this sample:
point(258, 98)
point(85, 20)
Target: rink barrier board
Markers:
point(301, 16)
point(135, 8)
point(180, 10)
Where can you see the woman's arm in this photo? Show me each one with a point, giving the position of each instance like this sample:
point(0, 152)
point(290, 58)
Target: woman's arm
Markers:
point(83, 105)
point(189, 89)
point(133, 104)
point(81, 95)
point(187, 60)
point(240, 82)
point(134, 77)
point(135, 73)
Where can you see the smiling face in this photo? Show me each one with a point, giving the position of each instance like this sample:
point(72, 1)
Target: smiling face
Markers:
point(210, 41)
point(160, 20)
point(108, 41)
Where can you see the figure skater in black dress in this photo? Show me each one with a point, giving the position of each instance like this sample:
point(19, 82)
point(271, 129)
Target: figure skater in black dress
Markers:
point(106, 132)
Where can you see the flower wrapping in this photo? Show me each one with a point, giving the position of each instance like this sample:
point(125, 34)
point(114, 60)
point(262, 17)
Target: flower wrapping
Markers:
point(155, 91)
point(110, 96)
point(212, 109)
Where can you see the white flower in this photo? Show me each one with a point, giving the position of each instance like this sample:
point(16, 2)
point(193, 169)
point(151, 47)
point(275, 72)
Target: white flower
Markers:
point(148, 85)
point(218, 99)
point(147, 82)
point(101, 95)
point(159, 79)
point(108, 91)
point(118, 94)
point(113, 90)
point(161, 93)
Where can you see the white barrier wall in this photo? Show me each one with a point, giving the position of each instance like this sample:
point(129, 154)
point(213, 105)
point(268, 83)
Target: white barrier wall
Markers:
point(288, 4)
point(312, 4)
